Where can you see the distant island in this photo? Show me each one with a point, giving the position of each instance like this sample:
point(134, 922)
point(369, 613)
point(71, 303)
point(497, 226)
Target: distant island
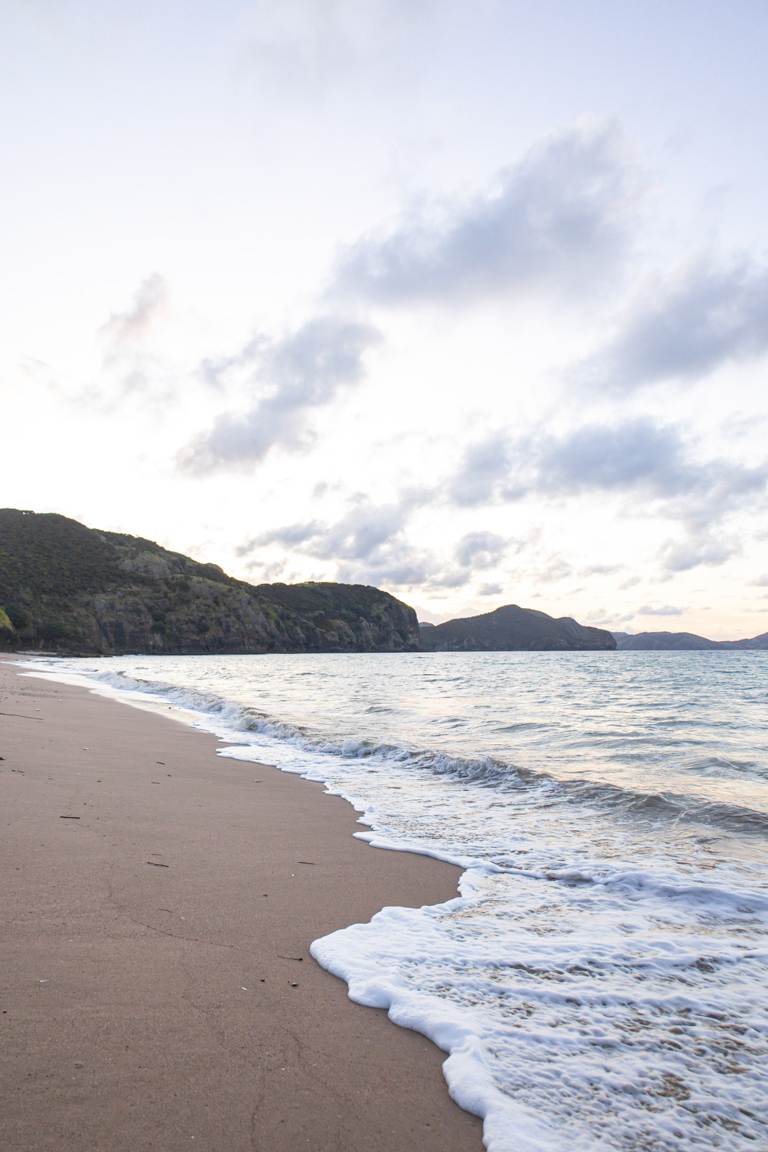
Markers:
point(684, 642)
point(512, 628)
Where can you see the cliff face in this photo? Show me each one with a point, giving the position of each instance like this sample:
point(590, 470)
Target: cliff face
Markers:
point(72, 589)
point(510, 629)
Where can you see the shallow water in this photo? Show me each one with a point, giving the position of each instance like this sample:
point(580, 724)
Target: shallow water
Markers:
point(601, 982)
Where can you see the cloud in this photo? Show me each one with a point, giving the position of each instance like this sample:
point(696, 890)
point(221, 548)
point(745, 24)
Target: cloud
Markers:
point(309, 49)
point(612, 457)
point(635, 455)
point(131, 369)
point(558, 221)
point(480, 550)
point(635, 458)
point(358, 535)
point(485, 466)
point(600, 618)
point(630, 582)
point(127, 329)
point(305, 371)
point(710, 317)
point(601, 457)
point(692, 552)
point(368, 544)
point(601, 570)
point(593, 457)
point(553, 571)
point(659, 610)
point(289, 536)
point(213, 369)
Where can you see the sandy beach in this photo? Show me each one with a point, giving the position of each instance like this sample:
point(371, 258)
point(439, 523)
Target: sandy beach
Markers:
point(155, 983)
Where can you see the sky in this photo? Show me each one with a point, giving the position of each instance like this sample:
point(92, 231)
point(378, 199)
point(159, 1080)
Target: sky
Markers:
point(468, 301)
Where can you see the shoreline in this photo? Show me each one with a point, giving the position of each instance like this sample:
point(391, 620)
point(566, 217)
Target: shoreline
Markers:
point(157, 988)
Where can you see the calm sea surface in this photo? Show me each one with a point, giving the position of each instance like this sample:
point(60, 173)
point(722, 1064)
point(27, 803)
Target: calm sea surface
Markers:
point(602, 982)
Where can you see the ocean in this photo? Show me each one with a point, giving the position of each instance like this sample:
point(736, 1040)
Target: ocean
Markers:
point(601, 981)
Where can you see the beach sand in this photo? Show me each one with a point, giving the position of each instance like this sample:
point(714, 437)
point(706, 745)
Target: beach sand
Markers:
point(155, 985)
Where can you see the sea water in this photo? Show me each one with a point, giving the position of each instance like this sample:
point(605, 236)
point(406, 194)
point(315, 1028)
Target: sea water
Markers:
point(601, 982)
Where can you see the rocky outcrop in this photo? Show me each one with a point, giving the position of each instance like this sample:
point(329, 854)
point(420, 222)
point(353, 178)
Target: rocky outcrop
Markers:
point(71, 589)
point(511, 629)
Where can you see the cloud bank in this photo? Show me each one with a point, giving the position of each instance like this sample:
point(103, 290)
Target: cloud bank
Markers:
point(635, 457)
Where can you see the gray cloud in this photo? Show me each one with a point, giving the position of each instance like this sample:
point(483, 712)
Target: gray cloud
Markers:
point(711, 317)
point(558, 220)
point(630, 582)
point(491, 589)
point(594, 457)
point(613, 457)
point(305, 371)
point(358, 535)
point(633, 455)
point(369, 545)
point(693, 552)
point(485, 468)
point(213, 369)
point(553, 571)
point(659, 610)
point(289, 536)
point(480, 550)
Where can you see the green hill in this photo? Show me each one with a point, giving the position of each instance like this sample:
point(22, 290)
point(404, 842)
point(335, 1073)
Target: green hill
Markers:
point(71, 589)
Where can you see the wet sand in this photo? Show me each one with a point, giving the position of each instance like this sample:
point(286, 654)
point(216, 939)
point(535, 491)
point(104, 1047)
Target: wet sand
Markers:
point(156, 991)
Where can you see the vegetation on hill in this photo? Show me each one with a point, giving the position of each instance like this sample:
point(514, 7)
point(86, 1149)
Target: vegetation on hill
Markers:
point(71, 589)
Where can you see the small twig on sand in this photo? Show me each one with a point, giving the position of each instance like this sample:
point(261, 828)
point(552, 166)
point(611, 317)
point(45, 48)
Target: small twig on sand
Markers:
point(157, 864)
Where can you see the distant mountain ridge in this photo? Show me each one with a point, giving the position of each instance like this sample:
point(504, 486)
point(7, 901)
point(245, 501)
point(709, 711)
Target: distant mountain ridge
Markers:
point(684, 642)
point(514, 629)
point(77, 590)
